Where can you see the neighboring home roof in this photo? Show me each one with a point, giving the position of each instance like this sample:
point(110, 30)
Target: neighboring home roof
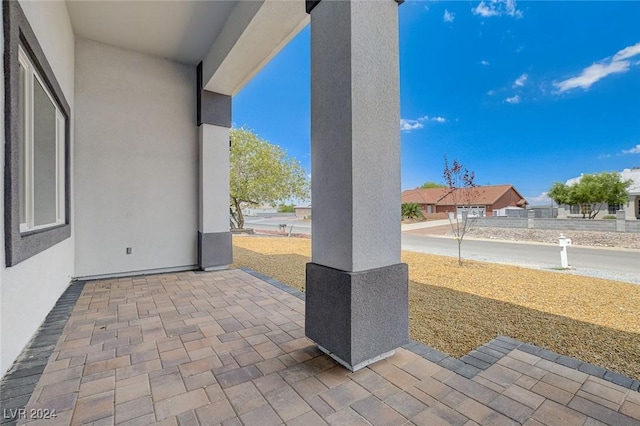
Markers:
point(423, 196)
point(627, 174)
point(485, 195)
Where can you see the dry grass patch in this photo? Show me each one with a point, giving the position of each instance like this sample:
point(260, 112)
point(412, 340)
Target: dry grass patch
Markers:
point(456, 309)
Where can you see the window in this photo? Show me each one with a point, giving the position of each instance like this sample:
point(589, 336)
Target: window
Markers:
point(613, 209)
point(37, 137)
point(41, 156)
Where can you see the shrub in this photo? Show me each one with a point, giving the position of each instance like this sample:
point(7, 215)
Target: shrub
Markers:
point(286, 208)
point(411, 211)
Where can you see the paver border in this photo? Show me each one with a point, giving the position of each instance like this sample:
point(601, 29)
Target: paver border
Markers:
point(18, 383)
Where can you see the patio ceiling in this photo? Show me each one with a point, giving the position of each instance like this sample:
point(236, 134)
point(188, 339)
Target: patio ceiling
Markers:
point(234, 39)
point(182, 31)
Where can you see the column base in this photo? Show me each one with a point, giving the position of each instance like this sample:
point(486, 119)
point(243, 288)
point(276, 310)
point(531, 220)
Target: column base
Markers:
point(360, 366)
point(214, 250)
point(357, 317)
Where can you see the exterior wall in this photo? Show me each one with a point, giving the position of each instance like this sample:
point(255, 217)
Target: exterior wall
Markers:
point(31, 288)
point(509, 198)
point(136, 169)
point(632, 225)
point(632, 209)
point(565, 211)
point(435, 216)
point(303, 212)
point(559, 224)
point(501, 222)
point(446, 209)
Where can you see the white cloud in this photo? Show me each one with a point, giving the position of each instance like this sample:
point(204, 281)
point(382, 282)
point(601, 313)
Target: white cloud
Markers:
point(634, 150)
point(497, 8)
point(591, 75)
point(491, 92)
point(627, 52)
point(409, 124)
point(520, 80)
point(513, 99)
point(448, 16)
point(485, 63)
point(484, 10)
point(542, 198)
point(511, 9)
point(599, 70)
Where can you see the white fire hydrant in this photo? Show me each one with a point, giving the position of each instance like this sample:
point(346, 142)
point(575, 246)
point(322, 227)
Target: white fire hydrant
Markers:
point(564, 242)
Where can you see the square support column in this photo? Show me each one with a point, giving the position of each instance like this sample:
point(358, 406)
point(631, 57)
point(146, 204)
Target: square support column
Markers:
point(214, 236)
point(357, 289)
point(632, 209)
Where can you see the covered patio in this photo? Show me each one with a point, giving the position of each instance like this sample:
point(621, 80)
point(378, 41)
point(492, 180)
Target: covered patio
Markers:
point(228, 347)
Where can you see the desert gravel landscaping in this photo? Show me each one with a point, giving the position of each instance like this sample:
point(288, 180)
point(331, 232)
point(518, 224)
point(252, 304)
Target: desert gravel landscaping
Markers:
point(456, 309)
point(630, 240)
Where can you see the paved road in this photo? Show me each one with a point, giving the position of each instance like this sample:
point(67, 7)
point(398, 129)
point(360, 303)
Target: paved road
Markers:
point(272, 224)
point(617, 264)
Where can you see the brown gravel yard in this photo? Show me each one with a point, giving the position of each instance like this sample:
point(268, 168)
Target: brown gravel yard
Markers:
point(456, 309)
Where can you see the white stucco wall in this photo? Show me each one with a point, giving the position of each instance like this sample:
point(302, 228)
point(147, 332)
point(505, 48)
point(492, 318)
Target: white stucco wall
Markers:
point(31, 288)
point(136, 171)
point(214, 178)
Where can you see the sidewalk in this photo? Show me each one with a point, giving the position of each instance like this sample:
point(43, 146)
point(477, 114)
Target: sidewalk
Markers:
point(423, 225)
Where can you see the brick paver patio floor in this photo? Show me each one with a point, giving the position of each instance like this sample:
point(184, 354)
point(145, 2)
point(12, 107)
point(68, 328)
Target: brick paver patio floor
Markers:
point(228, 348)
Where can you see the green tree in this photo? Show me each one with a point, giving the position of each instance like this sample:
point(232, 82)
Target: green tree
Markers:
point(261, 173)
point(411, 211)
point(286, 208)
point(592, 192)
point(463, 191)
point(431, 184)
point(559, 193)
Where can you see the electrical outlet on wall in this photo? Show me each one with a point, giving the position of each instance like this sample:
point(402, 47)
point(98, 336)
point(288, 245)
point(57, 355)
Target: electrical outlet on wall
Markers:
point(128, 250)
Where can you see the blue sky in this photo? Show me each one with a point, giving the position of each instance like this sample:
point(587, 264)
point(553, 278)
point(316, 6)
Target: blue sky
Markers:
point(524, 93)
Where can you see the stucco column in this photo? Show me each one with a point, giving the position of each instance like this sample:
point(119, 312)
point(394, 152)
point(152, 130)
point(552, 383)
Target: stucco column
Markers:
point(356, 287)
point(214, 121)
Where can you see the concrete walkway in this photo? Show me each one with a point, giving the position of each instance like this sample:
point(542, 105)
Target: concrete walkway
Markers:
point(229, 348)
point(426, 224)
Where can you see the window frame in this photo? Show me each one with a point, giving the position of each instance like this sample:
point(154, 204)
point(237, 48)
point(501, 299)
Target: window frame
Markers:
point(31, 77)
point(21, 245)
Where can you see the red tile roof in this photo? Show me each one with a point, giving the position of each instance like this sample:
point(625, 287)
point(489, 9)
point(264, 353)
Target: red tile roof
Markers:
point(484, 195)
point(424, 196)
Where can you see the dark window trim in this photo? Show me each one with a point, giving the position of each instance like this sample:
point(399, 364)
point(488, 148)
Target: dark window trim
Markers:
point(18, 31)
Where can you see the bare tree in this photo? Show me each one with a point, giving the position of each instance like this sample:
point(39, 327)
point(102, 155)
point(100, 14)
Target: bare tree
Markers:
point(462, 192)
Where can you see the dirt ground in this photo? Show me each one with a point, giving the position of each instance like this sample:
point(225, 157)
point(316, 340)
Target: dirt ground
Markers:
point(456, 309)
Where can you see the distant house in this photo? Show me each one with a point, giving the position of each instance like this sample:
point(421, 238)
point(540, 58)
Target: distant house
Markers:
point(303, 212)
point(488, 200)
point(631, 208)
